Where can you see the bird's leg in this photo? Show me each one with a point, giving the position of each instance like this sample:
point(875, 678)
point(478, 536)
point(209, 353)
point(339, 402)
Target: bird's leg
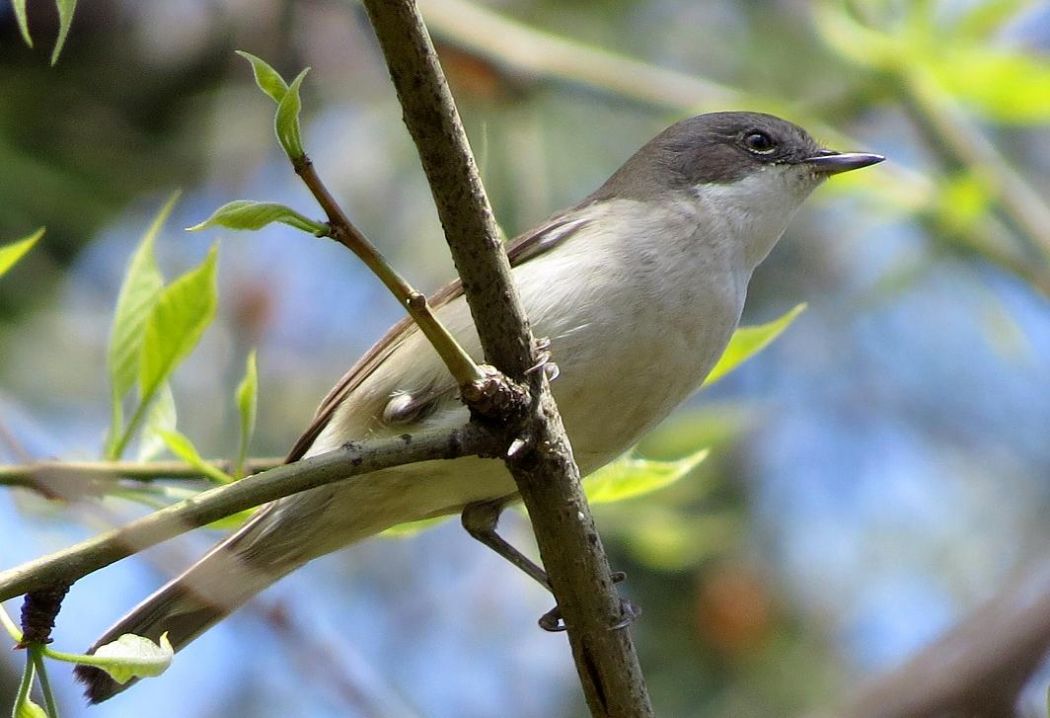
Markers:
point(480, 519)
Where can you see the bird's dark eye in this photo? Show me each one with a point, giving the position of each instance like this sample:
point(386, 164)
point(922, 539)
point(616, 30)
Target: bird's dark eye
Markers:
point(759, 142)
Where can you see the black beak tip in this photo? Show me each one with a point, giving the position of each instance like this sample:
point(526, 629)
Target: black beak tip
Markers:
point(832, 163)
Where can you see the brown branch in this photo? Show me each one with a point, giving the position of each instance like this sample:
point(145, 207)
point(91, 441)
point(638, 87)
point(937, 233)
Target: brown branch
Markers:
point(352, 460)
point(545, 473)
point(978, 668)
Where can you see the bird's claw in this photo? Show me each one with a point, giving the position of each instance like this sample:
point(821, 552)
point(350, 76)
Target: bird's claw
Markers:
point(553, 621)
point(543, 360)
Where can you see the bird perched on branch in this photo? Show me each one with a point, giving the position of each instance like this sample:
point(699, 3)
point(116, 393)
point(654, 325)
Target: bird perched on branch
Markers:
point(638, 288)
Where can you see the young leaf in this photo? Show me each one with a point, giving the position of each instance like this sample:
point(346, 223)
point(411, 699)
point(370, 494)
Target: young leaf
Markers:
point(182, 312)
point(23, 20)
point(247, 397)
point(180, 445)
point(748, 341)
point(286, 121)
point(11, 253)
point(162, 417)
point(267, 78)
point(128, 657)
point(245, 214)
point(628, 477)
point(65, 19)
point(142, 285)
point(29, 709)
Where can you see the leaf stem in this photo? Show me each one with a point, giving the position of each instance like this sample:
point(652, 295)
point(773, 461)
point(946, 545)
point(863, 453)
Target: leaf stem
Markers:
point(341, 229)
point(24, 687)
point(36, 654)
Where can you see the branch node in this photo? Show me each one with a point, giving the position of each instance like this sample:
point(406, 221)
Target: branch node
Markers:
point(39, 610)
point(495, 399)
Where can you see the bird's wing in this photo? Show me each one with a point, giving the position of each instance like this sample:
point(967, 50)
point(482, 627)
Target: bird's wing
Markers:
point(522, 249)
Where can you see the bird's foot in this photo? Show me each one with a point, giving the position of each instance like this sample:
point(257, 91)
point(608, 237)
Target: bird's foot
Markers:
point(553, 621)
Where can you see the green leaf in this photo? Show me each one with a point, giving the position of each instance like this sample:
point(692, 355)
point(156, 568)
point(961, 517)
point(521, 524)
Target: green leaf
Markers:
point(29, 709)
point(182, 312)
point(245, 214)
point(412, 528)
point(628, 477)
point(11, 253)
point(286, 121)
point(128, 657)
point(138, 295)
point(162, 416)
point(23, 20)
point(267, 78)
point(247, 397)
point(748, 341)
point(65, 19)
point(180, 445)
point(1000, 85)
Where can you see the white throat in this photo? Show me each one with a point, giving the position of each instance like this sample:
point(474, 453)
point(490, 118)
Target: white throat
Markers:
point(756, 209)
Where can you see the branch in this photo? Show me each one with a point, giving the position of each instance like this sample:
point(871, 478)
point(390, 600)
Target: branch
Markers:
point(352, 460)
point(978, 668)
point(546, 474)
point(54, 477)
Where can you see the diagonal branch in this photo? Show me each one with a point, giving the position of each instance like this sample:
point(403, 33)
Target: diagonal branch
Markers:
point(545, 473)
point(352, 460)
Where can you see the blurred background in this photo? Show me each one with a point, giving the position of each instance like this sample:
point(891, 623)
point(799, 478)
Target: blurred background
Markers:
point(878, 472)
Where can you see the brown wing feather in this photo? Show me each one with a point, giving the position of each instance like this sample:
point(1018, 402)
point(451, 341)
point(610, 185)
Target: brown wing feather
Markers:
point(523, 248)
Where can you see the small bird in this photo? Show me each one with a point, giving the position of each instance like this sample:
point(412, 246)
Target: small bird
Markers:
point(638, 289)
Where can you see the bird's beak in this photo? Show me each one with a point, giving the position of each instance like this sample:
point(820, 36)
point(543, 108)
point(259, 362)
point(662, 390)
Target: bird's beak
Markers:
point(830, 162)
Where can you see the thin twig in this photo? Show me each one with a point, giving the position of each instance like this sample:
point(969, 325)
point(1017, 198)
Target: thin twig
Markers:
point(346, 463)
point(47, 475)
point(546, 474)
point(342, 230)
point(954, 136)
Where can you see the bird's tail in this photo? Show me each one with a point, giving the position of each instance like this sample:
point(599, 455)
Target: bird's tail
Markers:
point(186, 607)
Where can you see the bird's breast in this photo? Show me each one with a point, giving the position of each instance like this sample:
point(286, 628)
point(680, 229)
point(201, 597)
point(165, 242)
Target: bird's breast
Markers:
point(634, 329)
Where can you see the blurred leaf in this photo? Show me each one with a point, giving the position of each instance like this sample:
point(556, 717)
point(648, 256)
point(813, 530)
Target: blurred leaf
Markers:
point(286, 121)
point(963, 200)
point(128, 657)
point(162, 417)
point(412, 527)
point(11, 253)
point(247, 397)
point(853, 40)
point(1001, 85)
point(65, 19)
point(138, 294)
point(19, 7)
point(748, 341)
point(984, 18)
point(710, 424)
point(246, 214)
point(628, 477)
point(669, 540)
point(180, 445)
point(182, 312)
point(267, 78)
